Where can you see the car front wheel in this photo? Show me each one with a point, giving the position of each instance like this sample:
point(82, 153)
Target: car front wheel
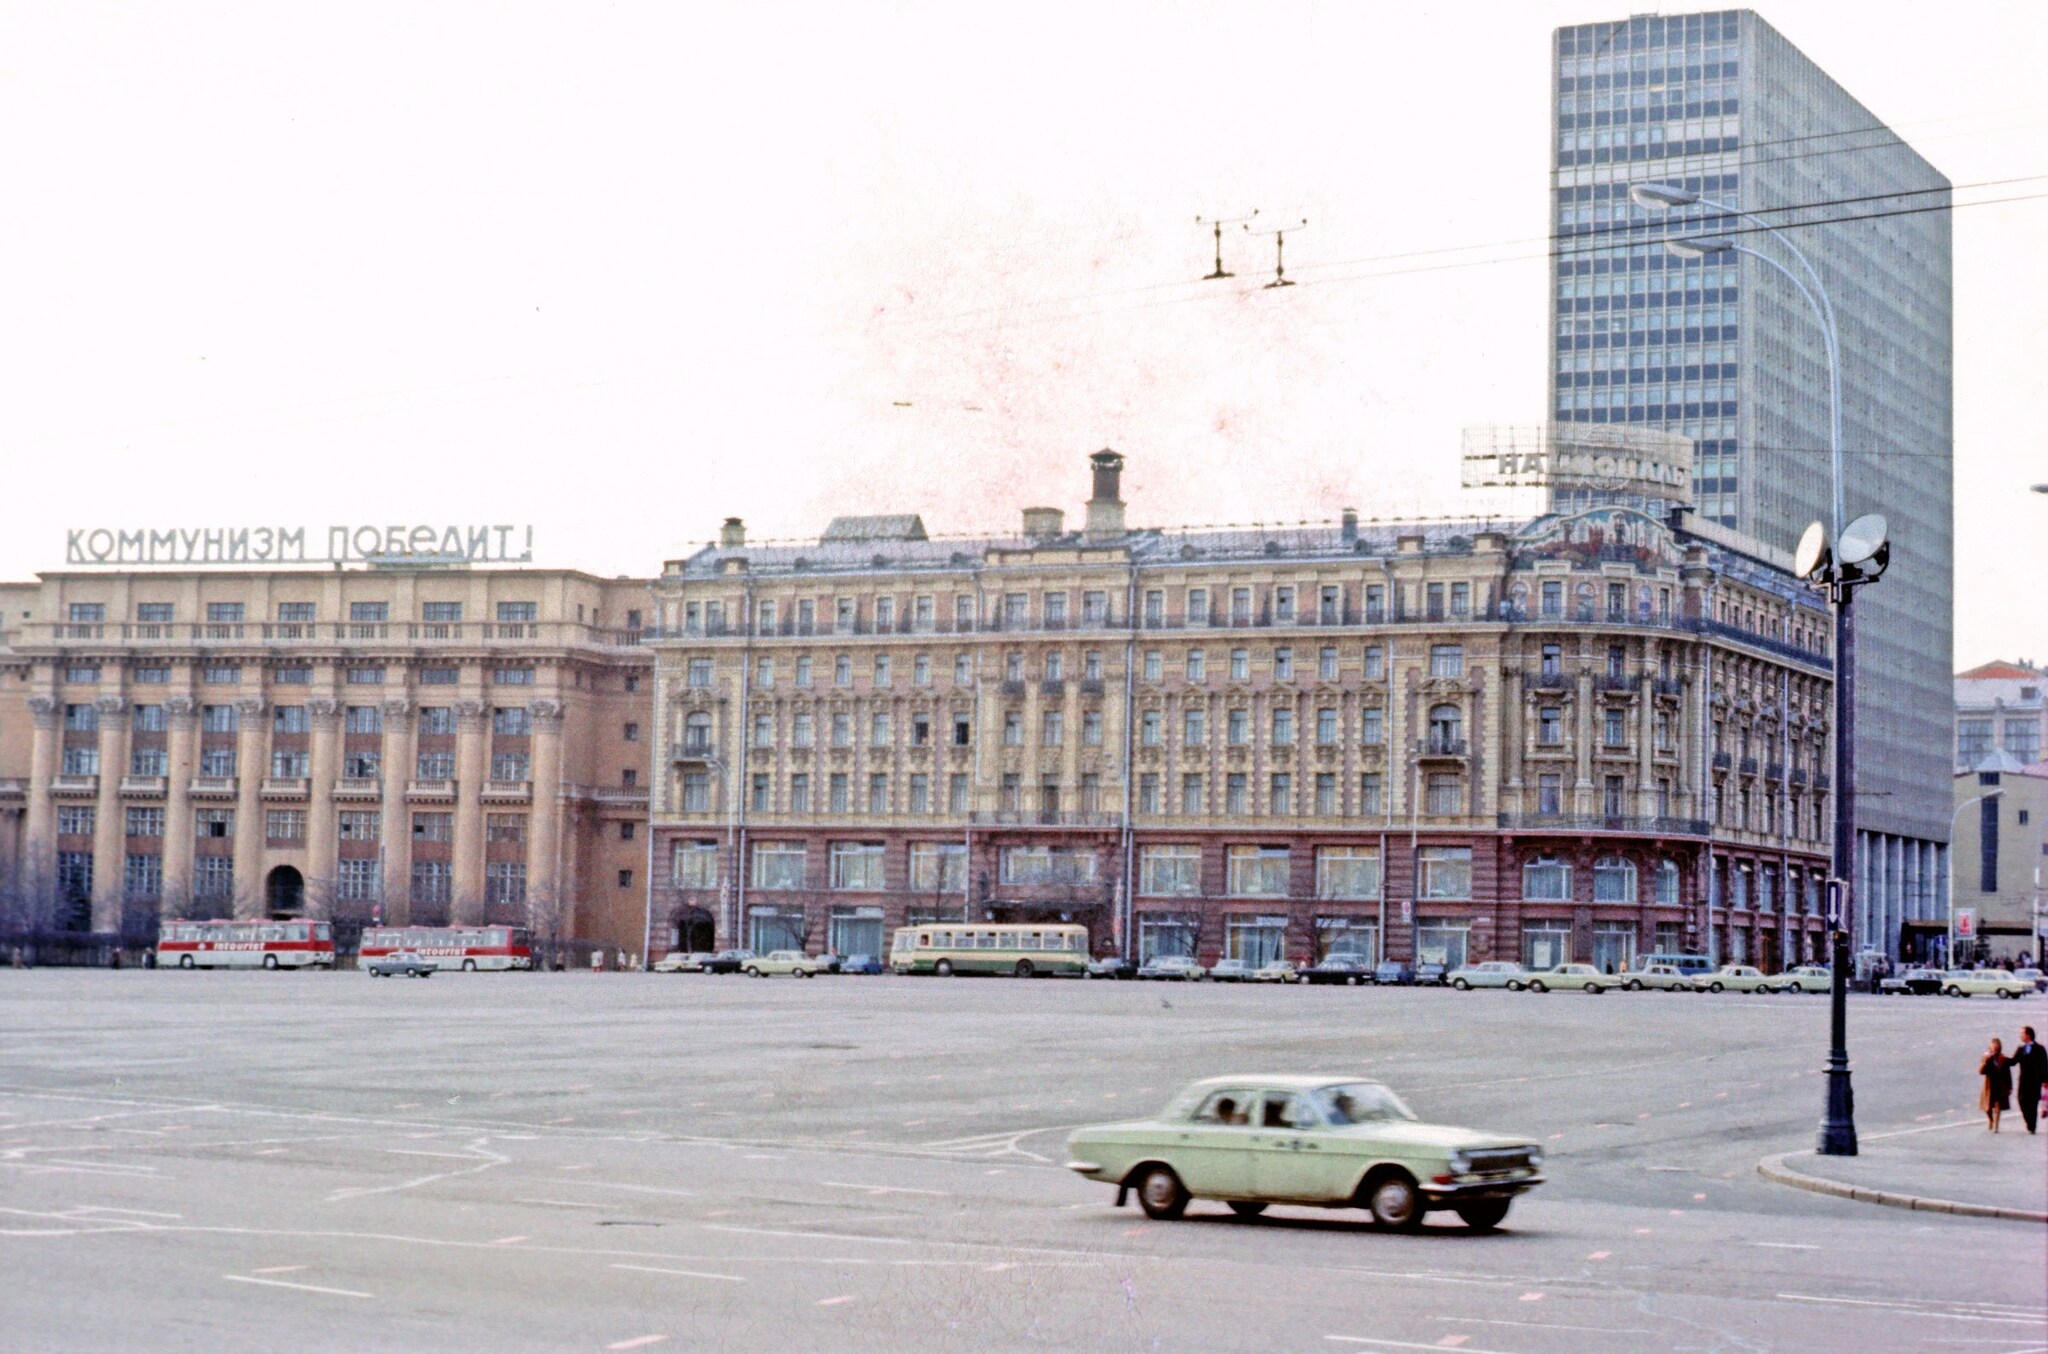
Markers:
point(1462, 985)
point(1538, 987)
point(1483, 1215)
point(1633, 985)
point(1714, 987)
point(1161, 1194)
point(1355, 980)
point(1395, 1203)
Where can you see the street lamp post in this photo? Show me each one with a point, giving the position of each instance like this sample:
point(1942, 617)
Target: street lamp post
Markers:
point(1948, 952)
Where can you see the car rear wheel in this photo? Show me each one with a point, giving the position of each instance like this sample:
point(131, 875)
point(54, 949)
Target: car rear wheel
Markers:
point(1395, 1202)
point(752, 972)
point(1462, 985)
point(1538, 987)
point(944, 968)
point(1354, 980)
point(1246, 1208)
point(1024, 969)
point(1514, 987)
point(1161, 1194)
point(1633, 985)
point(1714, 987)
point(1483, 1215)
point(1954, 991)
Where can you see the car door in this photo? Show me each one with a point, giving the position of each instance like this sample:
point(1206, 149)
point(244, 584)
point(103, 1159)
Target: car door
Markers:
point(1211, 1152)
point(1290, 1154)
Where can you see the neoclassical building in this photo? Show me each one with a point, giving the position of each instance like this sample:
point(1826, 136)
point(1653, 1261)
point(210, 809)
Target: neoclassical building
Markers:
point(1593, 734)
point(394, 743)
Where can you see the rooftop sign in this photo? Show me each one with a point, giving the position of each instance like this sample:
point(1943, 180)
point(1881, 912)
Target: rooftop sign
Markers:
point(1603, 458)
point(495, 544)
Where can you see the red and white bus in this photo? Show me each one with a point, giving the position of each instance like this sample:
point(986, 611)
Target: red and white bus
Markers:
point(468, 948)
point(245, 944)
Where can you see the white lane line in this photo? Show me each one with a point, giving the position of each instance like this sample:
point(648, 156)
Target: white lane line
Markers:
point(834, 1302)
point(636, 1189)
point(416, 1152)
point(1544, 1325)
point(558, 1203)
point(682, 1273)
point(301, 1287)
point(1786, 1245)
point(884, 1189)
point(813, 1236)
point(1906, 1309)
point(637, 1342)
point(139, 1212)
point(1406, 1344)
point(1929, 1128)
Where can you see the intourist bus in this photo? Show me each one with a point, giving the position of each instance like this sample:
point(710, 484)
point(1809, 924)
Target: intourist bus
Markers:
point(1025, 950)
point(245, 944)
point(468, 948)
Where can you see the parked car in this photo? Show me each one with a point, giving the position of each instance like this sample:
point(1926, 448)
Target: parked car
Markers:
point(1658, 978)
point(1393, 973)
point(1983, 982)
point(795, 963)
point(1328, 1142)
point(1914, 982)
point(2034, 976)
point(861, 963)
point(1431, 975)
point(1230, 971)
point(1172, 966)
point(401, 964)
point(1110, 966)
point(727, 961)
point(1808, 978)
point(678, 961)
point(1735, 978)
point(1492, 973)
point(1572, 978)
point(1688, 964)
point(1348, 969)
point(1279, 971)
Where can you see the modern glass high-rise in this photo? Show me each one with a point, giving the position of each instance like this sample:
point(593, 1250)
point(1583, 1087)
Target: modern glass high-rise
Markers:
point(1727, 352)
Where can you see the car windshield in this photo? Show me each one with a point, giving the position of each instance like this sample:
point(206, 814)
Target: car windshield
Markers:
point(1361, 1102)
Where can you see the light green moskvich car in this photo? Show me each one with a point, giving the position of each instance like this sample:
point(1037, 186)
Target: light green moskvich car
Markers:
point(1734, 978)
point(1658, 978)
point(1328, 1142)
point(795, 963)
point(1572, 978)
point(1492, 973)
point(1986, 982)
point(1807, 978)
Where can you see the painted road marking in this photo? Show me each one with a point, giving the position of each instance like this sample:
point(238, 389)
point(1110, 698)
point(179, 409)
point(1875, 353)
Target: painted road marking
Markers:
point(139, 1212)
point(558, 1203)
point(278, 1269)
point(637, 1342)
point(682, 1273)
point(1909, 1309)
point(834, 1302)
point(1546, 1325)
point(812, 1236)
point(301, 1287)
point(510, 1240)
point(884, 1189)
point(1786, 1245)
point(1401, 1344)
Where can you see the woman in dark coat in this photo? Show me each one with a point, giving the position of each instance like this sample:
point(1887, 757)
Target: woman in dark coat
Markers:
point(1997, 1094)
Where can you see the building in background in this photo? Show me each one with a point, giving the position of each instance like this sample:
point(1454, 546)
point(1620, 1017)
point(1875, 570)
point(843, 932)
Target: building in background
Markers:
point(430, 745)
point(1586, 735)
point(1999, 708)
point(1727, 352)
point(2001, 859)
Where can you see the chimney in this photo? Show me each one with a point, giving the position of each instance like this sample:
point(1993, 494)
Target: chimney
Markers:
point(1351, 526)
point(733, 534)
point(1043, 524)
point(1106, 508)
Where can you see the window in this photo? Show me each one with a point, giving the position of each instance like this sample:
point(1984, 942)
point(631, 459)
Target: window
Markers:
point(81, 762)
point(1283, 726)
point(1257, 871)
point(437, 676)
point(431, 881)
point(1347, 872)
point(143, 876)
point(81, 675)
point(1013, 728)
point(1375, 603)
point(359, 826)
point(152, 674)
point(1326, 726)
point(1375, 662)
point(1170, 871)
point(1552, 595)
point(218, 719)
point(1148, 792)
point(1154, 666)
point(921, 670)
point(1551, 663)
point(1614, 797)
point(1195, 666)
point(1240, 606)
point(696, 792)
point(1240, 665)
point(1443, 872)
point(436, 766)
point(1052, 728)
point(764, 673)
point(1234, 794)
point(963, 730)
point(75, 820)
point(1283, 606)
point(1055, 666)
point(1326, 664)
point(1091, 728)
point(838, 794)
point(920, 792)
point(509, 766)
point(878, 793)
point(289, 719)
point(433, 827)
point(1091, 665)
point(145, 822)
point(881, 729)
point(1549, 726)
point(1194, 726)
point(963, 669)
point(1614, 728)
point(286, 825)
point(365, 676)
point(1237, 726)
point(1546, 879)
point(1550, 794)
point(1280, 796)
point(217, 761)
point(1614, 880)
point(694, 864)
point(1369, 792)
point(149, 762)
point(505, 828)
point(505, 882)
point(1446, 660)
point(956, 792)
point(442, 613)
point(883, 670)
point(1055, 610)
point(521, 676)
point(1973, 740)
point(1444, 795)
point(857, 866)
point(1191, 799)
point(161, 613)
point(363, 719)
point(1047, 865)
point(842, 670)
point(938, 867)
point(1546, 944)
point(778, 865)
point(1326, 794)
point(86, 719)
point(213, 823)
point(362, 765)
point(88, 613)
point(2023, 738)
point(1372, 725)
point(213, 877)
point(800, 792)
point(1446, 729)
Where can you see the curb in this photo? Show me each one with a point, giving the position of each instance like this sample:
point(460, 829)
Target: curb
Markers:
point(1774, 1169)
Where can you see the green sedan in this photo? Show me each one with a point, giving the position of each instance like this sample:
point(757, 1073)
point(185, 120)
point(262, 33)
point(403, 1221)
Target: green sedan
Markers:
point(1327, 1142)
point(1657, 978)
point(795, 963)
point(1572, 978)
point(1984, 982)
point(1735, 978)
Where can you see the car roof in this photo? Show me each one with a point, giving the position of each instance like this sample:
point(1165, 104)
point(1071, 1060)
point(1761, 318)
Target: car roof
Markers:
point(1292, 1081)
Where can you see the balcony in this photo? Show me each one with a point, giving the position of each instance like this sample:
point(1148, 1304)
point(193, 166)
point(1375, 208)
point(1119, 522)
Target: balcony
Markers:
point(13, 787)
point(147, 786)
point(286, 787)
point(1669, 686)
point(1616, 683)
point(1749, 766)
point(1774, 771)
point(72, 784)
point(692, 750)
point(1044, 818)
point(1799, 775)
point(212, 787)
point(431, 791)
point(359, 787)
point(1548, 681)
point(1053, 687)
point(1440, 746)
point(1575, 822)
point(1012, 687)
point(1723, 760)
point(507, 791)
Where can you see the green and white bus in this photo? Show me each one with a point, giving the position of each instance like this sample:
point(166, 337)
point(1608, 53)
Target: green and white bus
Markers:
point(1026, 950)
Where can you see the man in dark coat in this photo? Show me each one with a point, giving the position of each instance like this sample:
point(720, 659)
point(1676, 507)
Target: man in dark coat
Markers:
point(2030, 1070)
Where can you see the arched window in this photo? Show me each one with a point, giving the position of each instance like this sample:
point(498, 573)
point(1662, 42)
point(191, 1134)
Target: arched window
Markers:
point(1446, 727)
point(1667, 883)
point(1546, 879)
point(1614, 880)
point(697, 731)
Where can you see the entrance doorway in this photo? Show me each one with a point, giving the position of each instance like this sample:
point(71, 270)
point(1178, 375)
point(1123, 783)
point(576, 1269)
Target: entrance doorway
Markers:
point(694, 930)
point(284, 892)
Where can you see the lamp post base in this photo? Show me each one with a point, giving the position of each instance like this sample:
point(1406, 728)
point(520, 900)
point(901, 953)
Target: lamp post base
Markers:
point(1838, 1128)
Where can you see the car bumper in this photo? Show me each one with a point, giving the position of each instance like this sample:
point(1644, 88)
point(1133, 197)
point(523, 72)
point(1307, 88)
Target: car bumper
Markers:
point(1479, 1189)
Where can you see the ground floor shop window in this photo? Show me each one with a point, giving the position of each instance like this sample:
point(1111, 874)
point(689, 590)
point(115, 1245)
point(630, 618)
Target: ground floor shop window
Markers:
point(1256, 940)
point(1614, 946)
point(855, 930)
point(1349, 938)
point(770, 928)
point(1670, 938)
point(1442, 942)
point(1160, 937)
point(1546, 944)
point(1738, 946)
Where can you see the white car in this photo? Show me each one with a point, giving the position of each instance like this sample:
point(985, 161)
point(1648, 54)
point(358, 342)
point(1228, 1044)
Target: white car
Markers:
point(1279, 971)
point(1493, 973)
point(1658, 978)
point(2034, 976)
point(1230, 971)
point(1809, 978)
point(1985, 982)
point(1177, 967)
point(1572, 978)
point(1735, 978)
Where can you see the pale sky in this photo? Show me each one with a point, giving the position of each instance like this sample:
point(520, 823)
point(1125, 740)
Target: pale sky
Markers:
point(621, 271)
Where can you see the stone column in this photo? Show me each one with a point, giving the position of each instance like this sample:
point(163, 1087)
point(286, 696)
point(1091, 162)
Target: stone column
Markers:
point(545, 904)
point(324, 713)
point(1646, 743)
point(182, 713)
point(394, 837)
point(471, 732)
point(251, 898)
point(1584, 802)
point(109, 832)
point(39, 864)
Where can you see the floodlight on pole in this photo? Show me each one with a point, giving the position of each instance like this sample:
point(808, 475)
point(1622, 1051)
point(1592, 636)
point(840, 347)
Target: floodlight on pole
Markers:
point(2041, 488)
point(1657, 196)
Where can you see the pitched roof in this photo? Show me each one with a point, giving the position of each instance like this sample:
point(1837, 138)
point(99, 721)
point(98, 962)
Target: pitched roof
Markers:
point(1999, 670)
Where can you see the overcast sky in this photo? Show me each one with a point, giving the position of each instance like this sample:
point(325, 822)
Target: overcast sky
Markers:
point(620, 271)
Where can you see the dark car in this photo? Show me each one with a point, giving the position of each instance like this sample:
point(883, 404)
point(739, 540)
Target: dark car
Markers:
point(727, 961)
point(1431, 975)
point(861, 963)
point(1109, 966)
point(1914, 982)
point(1393, 973)
point(1339, 968)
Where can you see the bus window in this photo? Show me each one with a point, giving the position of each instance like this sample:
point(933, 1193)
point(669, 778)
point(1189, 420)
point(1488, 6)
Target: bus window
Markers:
point(322, 931)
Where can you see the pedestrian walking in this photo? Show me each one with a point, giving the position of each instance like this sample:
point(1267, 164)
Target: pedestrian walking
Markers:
point(1997, 1093)
point(2030, 1069)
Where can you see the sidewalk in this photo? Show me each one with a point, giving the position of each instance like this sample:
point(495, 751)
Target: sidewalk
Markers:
point(1950, 1167)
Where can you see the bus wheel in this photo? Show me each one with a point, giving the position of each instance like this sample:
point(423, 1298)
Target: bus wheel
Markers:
point(944, 968)
point(1024, 969)
point(184, 961)
point(270, 961)
point(469, 966)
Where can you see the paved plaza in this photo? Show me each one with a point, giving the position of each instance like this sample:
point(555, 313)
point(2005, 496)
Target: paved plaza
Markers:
point(228, 1161)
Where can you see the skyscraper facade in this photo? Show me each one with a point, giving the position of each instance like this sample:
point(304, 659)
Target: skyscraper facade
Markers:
point(1725, 350)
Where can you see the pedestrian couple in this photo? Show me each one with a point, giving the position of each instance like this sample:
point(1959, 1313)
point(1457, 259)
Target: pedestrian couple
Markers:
point(2028, 1064)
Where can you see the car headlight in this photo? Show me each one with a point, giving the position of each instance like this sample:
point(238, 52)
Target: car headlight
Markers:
point(1535, 1156)
point(1460, 1164)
